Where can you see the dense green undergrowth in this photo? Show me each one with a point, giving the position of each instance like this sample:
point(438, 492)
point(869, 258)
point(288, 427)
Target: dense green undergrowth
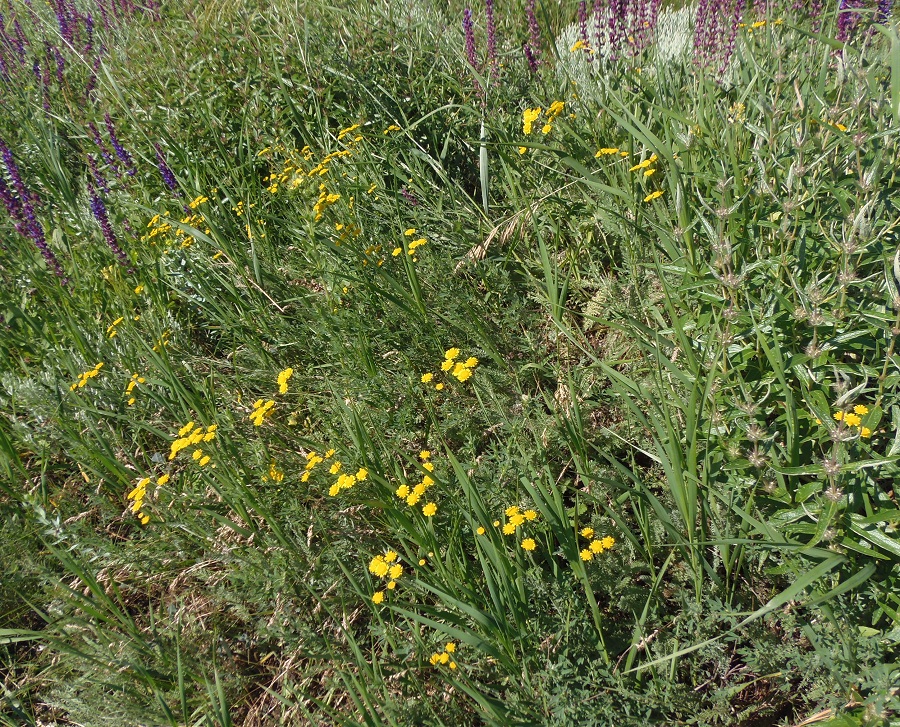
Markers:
point(431, 394)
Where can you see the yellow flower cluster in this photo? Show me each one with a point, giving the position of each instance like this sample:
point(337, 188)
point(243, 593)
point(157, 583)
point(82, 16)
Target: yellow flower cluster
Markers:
point(653, 195)
point(139, 493)
point(85, 377)
point(387, 567)
point(529, 116)
point(606, 151)
point(191, 435)
point(262, 410)
point(414, 494)
point(275, 474)
point(324, 200)
point(111, 328)
point(157, 226)
point(596, 546)
point(345, 481)
point(461, 370)
point(389, 129)
point(283, 379)
point(134, 381)
point(444, 657)
point(192, 220)
point(349, 130)
point(854, 419)
point(411, 248)
point(312, 459)
point(516, 519)
point(644, 164)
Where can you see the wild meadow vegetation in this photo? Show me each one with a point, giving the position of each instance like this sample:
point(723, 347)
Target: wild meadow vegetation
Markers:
point(407, 363)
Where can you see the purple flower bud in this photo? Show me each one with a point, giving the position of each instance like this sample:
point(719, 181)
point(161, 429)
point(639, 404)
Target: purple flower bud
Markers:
point(123, 155)
point(164, 170)
point(103, 14)
point(98, 208)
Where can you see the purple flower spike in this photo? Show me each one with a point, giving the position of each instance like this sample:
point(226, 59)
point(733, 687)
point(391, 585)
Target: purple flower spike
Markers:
point(409, 197)
point(99, 179)
point(100, 214)
point(883, 13)
point(164, 170)
point(107, 157)
point(60, 64)
point(120, 150)
point(89, 31)
point(534, 30)
point(493, 61)
point(533, 64)
point(582, 27)
point(469, 30)
point(21, 210)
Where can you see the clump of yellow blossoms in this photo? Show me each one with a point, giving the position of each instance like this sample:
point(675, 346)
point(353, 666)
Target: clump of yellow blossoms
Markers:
point(346, 481)
point(312, 459)
point(283, 379)
point(133, 382)
point(444, 657)
point(139, 493)
point(191, 435)
point(86, 376)
point(596, 546)
point(461, 370)
point(388, 568)
point(111, 331)
point(853, 419)
point(275, 474)
point(412, 495)
point(529, 116)
point(262, 410)
point(516, 519)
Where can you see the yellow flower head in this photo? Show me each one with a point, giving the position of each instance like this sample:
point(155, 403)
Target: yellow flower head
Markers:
point(530, 515)
point(451, 353)
point(509, 529)
point(865, 432)
point(586, 555)
point(608, 542)
point(378, 597)
point(395, 571)
point(402, 491)
point(587, 532)
point(529, 544)
point(447, 365)
point(450, 648)
point(852, 420)
point(378, 566)
point(529, 116)
point(596, 546)
point(481, 530)
point(861, 409)
point(606, 151)
point(427, 377)
point(512, 510)
point(390, 556)
point(429, 510)
point(839, 415)
point(424, 454)
point(653, 195)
